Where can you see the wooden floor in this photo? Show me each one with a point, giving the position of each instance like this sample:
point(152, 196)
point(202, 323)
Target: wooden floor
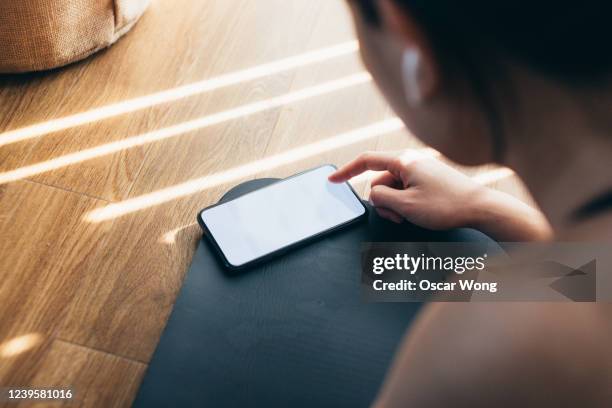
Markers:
point(104, 164)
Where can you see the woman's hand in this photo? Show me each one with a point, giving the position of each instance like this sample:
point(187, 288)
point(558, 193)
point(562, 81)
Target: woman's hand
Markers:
point(433, 195)
point(424, 191)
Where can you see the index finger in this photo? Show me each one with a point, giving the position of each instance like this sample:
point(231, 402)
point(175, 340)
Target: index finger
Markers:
point(367, 161)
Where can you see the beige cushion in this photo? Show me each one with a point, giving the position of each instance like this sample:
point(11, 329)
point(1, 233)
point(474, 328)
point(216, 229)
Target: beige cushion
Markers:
point(43, 34)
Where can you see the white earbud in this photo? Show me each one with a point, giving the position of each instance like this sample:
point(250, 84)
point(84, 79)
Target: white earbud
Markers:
point(411, 61)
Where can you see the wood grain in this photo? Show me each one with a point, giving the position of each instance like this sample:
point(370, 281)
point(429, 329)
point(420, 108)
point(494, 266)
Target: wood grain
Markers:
point(45, 252)
point(97, 379)
point(92, 298)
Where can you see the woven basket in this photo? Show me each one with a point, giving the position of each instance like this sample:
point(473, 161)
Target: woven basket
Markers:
point(42, 34)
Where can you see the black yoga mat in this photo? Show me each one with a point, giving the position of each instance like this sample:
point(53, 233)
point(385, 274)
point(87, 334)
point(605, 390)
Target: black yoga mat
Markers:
point(291, 333)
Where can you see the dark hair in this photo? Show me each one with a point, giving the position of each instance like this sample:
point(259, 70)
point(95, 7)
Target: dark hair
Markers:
point(564, 40)
point(569, 40)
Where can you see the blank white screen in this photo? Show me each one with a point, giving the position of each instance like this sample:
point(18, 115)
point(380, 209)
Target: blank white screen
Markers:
point(271, 218)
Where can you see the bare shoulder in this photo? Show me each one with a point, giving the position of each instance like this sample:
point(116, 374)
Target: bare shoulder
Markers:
point(504, 354)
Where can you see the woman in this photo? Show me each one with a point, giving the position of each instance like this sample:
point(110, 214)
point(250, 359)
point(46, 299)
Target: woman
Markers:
point(525, 85)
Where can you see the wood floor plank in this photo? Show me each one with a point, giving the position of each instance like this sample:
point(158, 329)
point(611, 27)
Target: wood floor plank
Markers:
point(25, 100)
point(21, 356)
point(45, 251)
point(97, 379)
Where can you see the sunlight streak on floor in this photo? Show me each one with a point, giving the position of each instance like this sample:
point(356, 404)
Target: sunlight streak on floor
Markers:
point(131, 205)
point(131, 105)
point(19, 344)
point(170, 236)
point(181, 128)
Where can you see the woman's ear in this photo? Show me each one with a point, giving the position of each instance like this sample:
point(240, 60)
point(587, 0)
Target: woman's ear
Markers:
point(419, 69)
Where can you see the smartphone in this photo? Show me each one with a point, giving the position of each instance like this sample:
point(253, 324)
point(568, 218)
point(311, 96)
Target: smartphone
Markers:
point(272, 220)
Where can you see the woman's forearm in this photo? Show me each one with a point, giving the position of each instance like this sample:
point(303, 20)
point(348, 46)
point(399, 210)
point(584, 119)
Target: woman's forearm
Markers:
point(505, 218)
